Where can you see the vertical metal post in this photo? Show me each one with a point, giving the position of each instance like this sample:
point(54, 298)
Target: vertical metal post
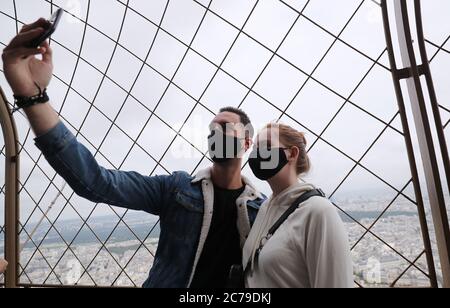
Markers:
point(11, 193)
point(440, 216)
point(412, 73)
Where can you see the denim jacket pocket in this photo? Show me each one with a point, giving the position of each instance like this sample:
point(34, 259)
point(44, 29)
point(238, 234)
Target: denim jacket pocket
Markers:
point(185, 219)
point(189, 202)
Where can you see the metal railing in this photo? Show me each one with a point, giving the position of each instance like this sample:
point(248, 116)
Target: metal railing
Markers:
point(11, 190)
point(412, 73)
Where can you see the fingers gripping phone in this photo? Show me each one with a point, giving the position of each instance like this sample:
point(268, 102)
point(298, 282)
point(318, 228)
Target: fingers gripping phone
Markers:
point(49, 29)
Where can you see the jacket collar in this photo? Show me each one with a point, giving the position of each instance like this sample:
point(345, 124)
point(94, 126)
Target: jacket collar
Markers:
point(205, 175)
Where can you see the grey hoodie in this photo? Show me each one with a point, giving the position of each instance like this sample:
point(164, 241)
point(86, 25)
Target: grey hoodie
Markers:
point(310, 250)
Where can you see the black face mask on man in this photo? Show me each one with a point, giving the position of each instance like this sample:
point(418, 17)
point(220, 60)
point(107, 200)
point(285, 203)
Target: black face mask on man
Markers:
point(266, 163)
point(222, 147)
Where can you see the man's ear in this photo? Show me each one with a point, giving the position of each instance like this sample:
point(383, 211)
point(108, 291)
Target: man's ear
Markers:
point(248, 143)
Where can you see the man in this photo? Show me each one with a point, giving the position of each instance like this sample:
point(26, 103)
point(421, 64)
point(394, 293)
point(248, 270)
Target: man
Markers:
point(3, 266)
point(205, 219)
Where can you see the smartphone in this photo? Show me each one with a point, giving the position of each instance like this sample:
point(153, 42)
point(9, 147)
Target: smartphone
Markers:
point(49, 29)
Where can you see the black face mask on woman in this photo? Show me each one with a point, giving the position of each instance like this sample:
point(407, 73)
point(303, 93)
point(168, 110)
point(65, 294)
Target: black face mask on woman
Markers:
point(267, 163)
point(222, 147)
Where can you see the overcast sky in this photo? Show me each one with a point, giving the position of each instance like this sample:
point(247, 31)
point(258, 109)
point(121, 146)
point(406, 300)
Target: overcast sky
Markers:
point(296, 79)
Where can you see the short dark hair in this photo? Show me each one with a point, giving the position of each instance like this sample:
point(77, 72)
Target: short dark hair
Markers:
point(245, 120)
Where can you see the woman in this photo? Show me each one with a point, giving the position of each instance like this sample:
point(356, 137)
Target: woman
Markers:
point(3, 265)
point(310, 249)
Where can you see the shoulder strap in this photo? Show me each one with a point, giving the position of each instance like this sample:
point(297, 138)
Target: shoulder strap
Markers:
point(303, 198)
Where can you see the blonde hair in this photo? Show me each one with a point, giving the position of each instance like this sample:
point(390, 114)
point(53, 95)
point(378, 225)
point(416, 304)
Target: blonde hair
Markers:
point(291, 137)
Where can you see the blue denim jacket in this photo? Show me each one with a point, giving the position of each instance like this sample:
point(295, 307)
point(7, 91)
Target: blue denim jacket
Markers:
point(183, 203)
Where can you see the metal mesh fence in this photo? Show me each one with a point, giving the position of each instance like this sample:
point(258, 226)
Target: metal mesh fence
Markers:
point(132, 79)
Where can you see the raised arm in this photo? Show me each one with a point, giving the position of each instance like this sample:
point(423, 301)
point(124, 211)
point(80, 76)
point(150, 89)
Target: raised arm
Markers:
point(70, 159)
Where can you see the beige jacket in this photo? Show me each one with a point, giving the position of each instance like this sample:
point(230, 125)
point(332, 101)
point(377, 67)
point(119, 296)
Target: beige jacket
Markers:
point(310, 250)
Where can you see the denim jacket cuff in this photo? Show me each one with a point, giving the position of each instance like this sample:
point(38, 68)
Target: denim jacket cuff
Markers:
point(55, 140)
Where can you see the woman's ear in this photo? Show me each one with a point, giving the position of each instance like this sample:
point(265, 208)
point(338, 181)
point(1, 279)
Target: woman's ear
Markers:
point(295, 152)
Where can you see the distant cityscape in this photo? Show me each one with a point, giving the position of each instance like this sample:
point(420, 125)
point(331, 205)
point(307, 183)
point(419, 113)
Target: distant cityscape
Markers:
point(124, 261)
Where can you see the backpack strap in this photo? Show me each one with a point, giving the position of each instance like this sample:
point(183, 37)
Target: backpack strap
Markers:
point(303, 198)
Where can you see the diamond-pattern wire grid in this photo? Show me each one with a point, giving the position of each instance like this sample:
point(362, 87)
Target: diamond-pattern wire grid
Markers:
point(254, 51)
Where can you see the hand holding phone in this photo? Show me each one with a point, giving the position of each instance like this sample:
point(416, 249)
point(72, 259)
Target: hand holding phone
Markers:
point(21, 67)
point(49, 29)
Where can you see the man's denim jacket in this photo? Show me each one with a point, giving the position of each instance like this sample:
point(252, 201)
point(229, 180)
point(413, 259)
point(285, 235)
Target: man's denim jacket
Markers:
point(183, 203)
